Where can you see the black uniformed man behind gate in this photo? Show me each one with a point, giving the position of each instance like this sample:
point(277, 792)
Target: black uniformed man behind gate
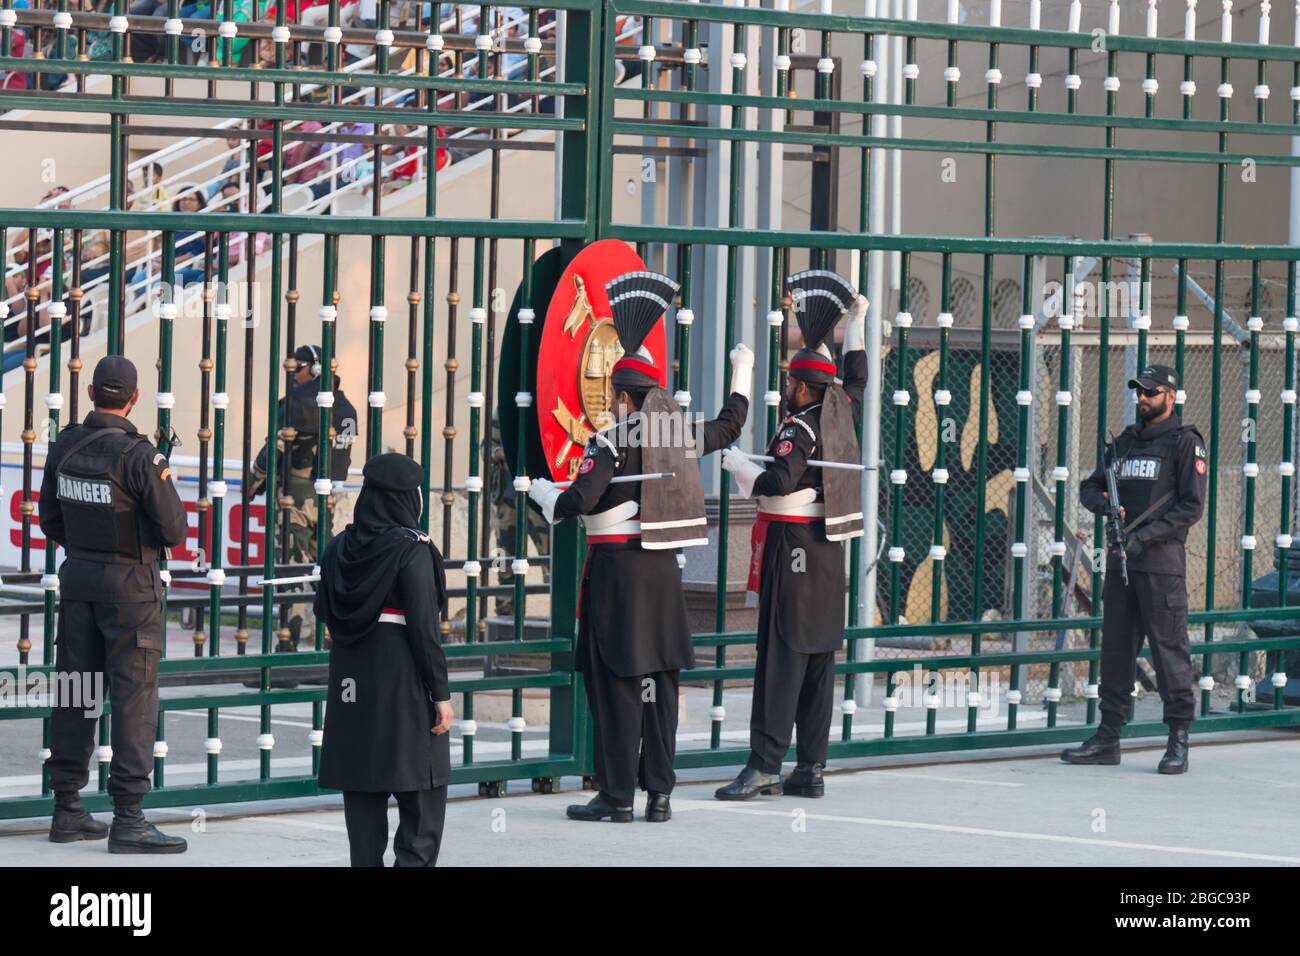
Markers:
point(295, 530)
point(633, 635)
point(108, 499)
point(798, 563)
point(1161, 482)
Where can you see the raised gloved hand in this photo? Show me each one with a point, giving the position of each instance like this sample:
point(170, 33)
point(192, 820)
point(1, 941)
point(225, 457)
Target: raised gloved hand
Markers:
point(745, 469)
point(855, 333)
point(742, 369)
point(544, 492)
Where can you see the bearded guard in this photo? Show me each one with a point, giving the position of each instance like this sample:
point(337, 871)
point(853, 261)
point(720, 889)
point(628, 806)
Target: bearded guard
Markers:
point(805, 512)
point(633, 636)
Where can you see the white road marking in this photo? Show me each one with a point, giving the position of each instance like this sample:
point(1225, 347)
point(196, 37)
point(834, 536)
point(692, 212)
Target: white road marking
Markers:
point(939, 779)
point(718, 807)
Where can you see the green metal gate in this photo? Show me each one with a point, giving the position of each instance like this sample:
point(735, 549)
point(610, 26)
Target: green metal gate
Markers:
point(984, 371)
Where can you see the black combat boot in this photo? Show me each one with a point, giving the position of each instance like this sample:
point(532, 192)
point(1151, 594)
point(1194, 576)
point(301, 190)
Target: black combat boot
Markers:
point(657, 808)
point(1175, 758)
point(1101, 748)
point(73, 822)
point(749, 784)
point(132, 833)
point(600, 808)
point(805, 781)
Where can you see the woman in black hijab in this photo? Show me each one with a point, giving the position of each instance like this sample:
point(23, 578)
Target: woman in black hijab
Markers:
point(388, 721)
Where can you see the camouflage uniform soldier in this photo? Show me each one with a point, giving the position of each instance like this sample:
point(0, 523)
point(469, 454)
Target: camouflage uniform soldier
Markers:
point(504, 518)
point(300, 422)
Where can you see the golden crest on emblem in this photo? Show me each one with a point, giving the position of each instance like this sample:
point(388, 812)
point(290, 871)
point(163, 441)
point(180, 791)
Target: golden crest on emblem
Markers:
point(600, 350)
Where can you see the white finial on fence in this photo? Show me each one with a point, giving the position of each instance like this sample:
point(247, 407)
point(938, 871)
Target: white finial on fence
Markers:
point(1153, 16)
point(1265, 8)
point(826, 6)
point(911, 9)
point(1076, 13)
point(871, 8)
point(1225, 32)
point(995, 13)
point(1035, 14)
point(954, 10)
point(1112, 22)
point(1189, 22)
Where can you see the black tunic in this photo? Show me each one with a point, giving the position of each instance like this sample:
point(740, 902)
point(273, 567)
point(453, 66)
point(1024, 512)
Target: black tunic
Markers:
point(632, 605)
point(801, 595)
point(377, 726)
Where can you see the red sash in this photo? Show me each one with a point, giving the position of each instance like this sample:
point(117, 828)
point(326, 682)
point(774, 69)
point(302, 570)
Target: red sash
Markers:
point(757, 538)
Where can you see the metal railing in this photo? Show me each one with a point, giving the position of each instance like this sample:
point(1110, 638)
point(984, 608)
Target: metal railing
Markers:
point(725, 94)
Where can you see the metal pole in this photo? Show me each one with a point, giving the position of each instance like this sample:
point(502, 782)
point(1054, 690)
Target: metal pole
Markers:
point(864, 650)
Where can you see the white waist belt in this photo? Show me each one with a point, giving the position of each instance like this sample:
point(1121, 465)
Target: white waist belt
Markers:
point(632, 526)
point(393, 617)
point(802, 503)
point(621, 519)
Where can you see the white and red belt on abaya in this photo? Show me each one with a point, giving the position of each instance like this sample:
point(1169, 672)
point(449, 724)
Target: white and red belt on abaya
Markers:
point(391, 615)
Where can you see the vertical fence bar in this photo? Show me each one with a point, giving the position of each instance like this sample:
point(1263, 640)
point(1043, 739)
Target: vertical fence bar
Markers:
point(324, 476)
point(1286, 471)
point(474, 483)
point(992, 78)
point(1250, 471)
point(220, 400)
point(1061, 478)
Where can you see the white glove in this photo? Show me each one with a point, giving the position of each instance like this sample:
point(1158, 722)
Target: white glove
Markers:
point(745, 469)
point(544, 492)
point(742, 369)
point(855, 334)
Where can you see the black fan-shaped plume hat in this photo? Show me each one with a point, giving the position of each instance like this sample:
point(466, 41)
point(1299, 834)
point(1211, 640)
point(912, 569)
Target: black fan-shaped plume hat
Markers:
point(820, 298)
point(637, 301)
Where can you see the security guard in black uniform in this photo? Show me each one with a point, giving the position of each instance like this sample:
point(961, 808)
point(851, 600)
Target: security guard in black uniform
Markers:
point(1161, 481)
point(108, 499)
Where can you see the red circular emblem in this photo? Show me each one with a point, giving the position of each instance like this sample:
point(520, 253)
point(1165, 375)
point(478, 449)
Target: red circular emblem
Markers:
point(586, 466)
point(784, 448)
point(1200, 466)
point(577, 352)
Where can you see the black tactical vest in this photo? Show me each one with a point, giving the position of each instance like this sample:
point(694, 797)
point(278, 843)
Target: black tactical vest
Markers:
point(1147, 472)
point(100, 512)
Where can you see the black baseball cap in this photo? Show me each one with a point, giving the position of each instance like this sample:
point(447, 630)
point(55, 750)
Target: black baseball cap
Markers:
point(115, 377)
point(1155, 376)
point(307, 355)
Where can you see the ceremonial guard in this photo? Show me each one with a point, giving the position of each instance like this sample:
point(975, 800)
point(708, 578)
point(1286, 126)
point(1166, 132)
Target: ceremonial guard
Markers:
point(633, 636)
point(1161, 472)
point(805, 512)
point(388, 717)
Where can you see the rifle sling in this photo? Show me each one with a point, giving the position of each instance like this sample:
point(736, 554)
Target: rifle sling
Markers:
point(1147, 514)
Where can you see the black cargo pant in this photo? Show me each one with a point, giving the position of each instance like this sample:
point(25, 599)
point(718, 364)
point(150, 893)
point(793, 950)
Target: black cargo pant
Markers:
point(1153, 607)
point(121, 643)
point(634, 727)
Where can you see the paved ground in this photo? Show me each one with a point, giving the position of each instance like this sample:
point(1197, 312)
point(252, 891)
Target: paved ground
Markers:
point(1236, 807)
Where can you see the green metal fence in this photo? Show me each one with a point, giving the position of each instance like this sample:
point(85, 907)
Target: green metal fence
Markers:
point(974, 575)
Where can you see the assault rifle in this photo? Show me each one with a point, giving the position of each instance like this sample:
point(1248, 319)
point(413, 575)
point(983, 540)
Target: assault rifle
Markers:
point(1115, 535)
